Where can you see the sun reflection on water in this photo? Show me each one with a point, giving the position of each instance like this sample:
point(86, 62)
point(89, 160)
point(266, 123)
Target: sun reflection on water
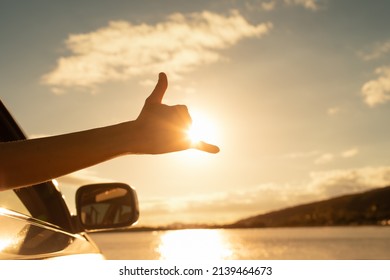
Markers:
point(198, 244)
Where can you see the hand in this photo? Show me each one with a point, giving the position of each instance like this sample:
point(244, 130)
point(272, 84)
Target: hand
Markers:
point(164, 128)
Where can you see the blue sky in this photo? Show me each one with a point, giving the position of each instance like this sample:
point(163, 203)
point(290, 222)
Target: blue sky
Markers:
point(295, 92)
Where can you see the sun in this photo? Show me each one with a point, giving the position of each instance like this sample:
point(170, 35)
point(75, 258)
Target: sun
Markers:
point(202, 129)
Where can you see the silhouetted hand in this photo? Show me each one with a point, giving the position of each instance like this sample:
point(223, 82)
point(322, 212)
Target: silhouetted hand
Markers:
point(158, 129)
point(164, 128)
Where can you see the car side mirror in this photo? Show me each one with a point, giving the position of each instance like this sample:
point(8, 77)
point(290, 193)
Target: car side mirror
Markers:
point(106, 206)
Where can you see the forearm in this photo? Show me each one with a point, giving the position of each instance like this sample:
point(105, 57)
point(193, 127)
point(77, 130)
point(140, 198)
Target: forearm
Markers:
point(158, 129)
point(29, 162)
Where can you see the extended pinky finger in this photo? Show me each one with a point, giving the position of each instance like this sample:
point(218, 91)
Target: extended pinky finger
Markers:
point(206, 147)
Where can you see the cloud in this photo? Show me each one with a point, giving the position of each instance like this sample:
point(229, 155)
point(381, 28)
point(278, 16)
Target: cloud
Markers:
point(82, 177)
point(339, 182)
point(377, 91)
point(308, 4)
point(333, 111)
point(325, 158)
point(322, 157)
point(226, 207)
point(70, 183)
point(330, 157)
point(123, 50)
point(379, 50)
point(268, 6)
point(350, 153)
point(296, 155)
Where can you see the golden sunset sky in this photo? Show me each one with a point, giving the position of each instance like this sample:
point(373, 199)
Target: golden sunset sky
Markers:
point(296, 93)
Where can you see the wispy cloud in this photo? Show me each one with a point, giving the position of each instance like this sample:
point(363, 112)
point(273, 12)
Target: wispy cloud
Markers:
point(339, 182)
point(268, 5)
point(308, 4)
point(350, 153)
point(233, 205)
point(82, 177)
point(323, 157)
point(379, 50)
point(122, 49)
point(333, 111)
point(377, 91)
point(296, 155)
point(225, 206)
point(70, 183)
point(326, 158)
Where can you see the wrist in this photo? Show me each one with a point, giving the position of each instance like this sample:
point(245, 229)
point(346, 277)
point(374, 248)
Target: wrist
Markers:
point(130, 134)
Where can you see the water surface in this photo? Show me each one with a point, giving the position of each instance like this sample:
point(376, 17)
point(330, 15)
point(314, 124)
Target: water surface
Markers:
point(322, 243)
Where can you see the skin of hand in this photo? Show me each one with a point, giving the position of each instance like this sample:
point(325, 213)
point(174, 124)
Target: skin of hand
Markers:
point(158, 129)
point(165, 127)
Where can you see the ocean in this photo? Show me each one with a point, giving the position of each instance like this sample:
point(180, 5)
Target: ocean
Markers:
point(318, 243)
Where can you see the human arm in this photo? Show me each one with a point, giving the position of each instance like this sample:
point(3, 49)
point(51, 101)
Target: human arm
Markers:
point(158, 129)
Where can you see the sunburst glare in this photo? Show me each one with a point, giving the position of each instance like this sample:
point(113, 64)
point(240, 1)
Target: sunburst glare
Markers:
point(202, 129)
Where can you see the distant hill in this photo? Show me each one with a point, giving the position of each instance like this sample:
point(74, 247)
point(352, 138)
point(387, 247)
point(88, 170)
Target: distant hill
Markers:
point(367, 208)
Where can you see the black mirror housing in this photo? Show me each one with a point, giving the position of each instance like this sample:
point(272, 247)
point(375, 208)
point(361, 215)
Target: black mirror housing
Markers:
point(106, 206)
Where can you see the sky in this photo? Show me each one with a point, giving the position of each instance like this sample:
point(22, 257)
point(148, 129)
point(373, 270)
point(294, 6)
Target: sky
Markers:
point(296, 93)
